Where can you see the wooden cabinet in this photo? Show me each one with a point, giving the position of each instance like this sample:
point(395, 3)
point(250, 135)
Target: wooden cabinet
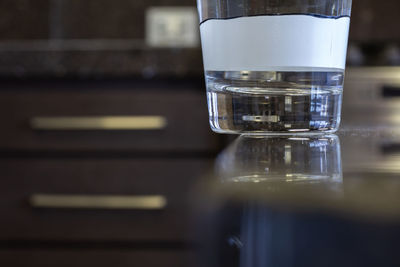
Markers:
point(55, 144)
point(93, 257)
point(72, 118)
point(20, 180)
point(375, 21)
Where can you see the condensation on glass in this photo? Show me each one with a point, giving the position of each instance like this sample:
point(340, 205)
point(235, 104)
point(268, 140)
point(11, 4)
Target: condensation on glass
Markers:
point(274, 66)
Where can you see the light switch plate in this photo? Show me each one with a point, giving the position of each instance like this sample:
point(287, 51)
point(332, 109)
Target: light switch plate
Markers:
point(176, 27)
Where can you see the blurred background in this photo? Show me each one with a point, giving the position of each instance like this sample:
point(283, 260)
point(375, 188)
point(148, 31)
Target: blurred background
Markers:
point(145, 40)
point(103, 103)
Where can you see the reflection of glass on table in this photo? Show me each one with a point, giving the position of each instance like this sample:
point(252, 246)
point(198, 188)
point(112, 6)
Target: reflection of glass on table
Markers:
point(287, 159)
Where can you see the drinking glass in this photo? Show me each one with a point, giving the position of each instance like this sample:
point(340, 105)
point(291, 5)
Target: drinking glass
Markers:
point(274, 66)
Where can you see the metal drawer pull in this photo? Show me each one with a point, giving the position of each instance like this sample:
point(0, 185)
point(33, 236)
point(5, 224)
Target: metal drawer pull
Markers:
point(98, 202)
point(99, 123)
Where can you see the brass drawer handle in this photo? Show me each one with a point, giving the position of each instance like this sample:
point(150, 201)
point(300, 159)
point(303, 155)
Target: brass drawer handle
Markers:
point(110, 202)
point(103, 123)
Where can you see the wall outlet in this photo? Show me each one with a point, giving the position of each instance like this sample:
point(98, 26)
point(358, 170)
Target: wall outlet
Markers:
point(174, 27)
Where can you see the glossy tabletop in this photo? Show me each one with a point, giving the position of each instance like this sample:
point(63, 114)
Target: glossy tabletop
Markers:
point(330, 200)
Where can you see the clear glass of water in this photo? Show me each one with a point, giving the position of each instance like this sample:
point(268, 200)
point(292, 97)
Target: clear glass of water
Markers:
point(274, 66)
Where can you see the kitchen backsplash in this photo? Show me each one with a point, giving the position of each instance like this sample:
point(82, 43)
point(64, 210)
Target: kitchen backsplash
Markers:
point(61, 38)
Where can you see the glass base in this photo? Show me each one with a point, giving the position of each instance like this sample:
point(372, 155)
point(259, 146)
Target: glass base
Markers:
point(275, 112)
point(263, 107)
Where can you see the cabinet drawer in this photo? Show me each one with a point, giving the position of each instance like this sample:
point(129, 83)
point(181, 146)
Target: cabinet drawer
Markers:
point(170, 179)
point(116, 258)
point(82, 119)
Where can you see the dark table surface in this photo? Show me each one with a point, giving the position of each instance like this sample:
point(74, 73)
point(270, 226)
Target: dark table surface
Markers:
point(329, 200)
